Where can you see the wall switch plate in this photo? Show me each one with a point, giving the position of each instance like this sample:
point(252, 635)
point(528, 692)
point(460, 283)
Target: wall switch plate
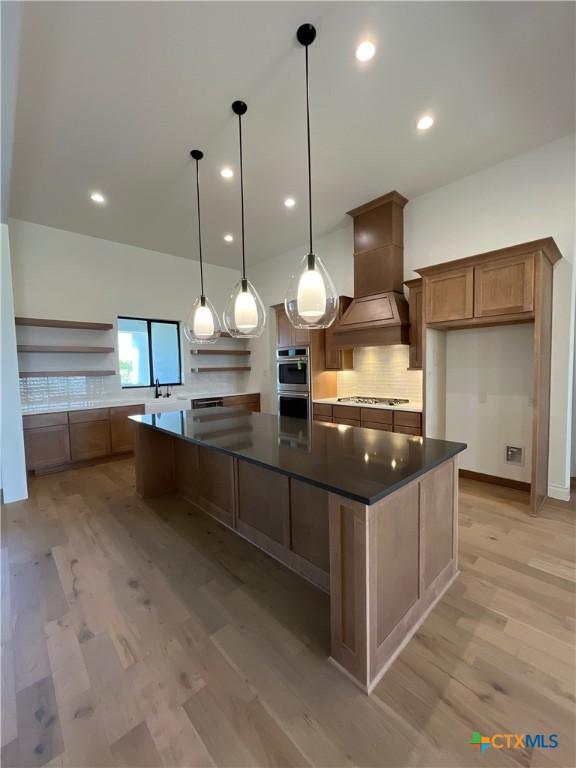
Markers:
point(514, 455)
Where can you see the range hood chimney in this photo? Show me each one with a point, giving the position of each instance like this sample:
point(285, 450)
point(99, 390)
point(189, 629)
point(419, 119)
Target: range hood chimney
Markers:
point(379, 313)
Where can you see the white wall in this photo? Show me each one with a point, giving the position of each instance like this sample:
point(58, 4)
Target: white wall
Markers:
point(489, 405)
point(13, 470)
point(64, 275)
point(524, 198)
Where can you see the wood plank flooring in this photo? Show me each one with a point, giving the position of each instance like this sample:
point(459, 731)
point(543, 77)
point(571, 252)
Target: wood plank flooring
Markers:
point(143, 634)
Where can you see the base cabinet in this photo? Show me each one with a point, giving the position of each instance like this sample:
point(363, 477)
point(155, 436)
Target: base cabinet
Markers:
point(89, 440)
point(121, 437)
point(47, 447)
point(404, 422)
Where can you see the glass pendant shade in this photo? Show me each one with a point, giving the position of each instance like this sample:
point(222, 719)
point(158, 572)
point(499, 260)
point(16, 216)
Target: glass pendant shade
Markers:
point(244, 314)
point(311, 299)
point(202, 325)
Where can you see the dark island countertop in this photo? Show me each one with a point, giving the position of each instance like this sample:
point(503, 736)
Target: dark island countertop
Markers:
point(354, 462)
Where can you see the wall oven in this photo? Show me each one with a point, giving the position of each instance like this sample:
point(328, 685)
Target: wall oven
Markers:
point(294, 404)
point(293, 370)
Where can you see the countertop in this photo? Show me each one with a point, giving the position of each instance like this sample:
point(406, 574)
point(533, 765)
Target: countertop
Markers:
point(354, 462)
point(410, 406)
point(81, 405)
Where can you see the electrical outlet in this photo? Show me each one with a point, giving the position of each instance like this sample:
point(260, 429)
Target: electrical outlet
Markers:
point(482, 398)
point(514, 455)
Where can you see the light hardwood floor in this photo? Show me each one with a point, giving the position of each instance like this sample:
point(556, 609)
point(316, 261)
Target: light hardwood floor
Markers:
point(143, 634)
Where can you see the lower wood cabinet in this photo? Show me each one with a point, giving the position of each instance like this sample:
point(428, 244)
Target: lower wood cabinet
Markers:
point(263, 502)
point(216, 484)
point(89, 440)
point(55, 440)
point(405, 422)
point(121, 438)
point(309, 524)
point(250, 402)
point(47, 447)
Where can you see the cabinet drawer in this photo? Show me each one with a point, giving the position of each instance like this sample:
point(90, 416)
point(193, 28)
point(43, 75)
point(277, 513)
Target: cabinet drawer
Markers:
point(374, 414)
point(44, 420)
point(449, 295)
point(89, 440)
point(321, 409)
point(346, 412)
point(350, 422)
point(93, 414)
point(241, 399)
point(378, 425)
point(126, 410)
point(407, 419)
point(47, 446)
point(323, 418)
point(407, 430)
point(504, 287)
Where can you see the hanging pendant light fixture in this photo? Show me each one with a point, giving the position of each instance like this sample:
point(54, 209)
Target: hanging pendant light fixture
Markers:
point(203, 324)
point(311, 300)
point(244, 314)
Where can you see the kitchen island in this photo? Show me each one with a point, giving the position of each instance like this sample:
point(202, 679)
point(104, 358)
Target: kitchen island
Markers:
point(369, 516)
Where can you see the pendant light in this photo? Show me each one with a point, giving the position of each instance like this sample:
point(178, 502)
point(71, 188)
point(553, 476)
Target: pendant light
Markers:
point(244, 314)
point(203, 325)
point(311, 300)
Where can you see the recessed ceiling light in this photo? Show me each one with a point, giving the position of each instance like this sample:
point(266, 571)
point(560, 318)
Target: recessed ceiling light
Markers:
point(229, 238)
point(365, 51)
point(289, 202)
point(227, 172)
point(97, 197)
point(425, 122)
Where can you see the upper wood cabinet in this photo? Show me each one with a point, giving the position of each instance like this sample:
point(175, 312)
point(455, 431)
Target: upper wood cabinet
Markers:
point(338, 359)
point(504, 286)
point(286, 334)
point(449, 295)
point(415, 304)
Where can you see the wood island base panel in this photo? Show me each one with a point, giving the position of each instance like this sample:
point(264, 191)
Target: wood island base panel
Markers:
point(368, 516)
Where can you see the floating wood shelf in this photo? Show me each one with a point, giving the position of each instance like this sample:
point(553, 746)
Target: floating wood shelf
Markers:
point(220, 351)
point(221, 369)
point(46, 348)
point(35, 374)
point(77, 324)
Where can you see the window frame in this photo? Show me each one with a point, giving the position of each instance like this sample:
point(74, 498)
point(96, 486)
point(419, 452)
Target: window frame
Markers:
point(149, 321)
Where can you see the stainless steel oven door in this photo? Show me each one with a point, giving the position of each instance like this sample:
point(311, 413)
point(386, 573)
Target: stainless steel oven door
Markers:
point(293, 375)
point(294, 404)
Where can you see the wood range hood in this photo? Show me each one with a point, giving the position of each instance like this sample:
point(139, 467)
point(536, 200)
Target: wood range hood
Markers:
point(378, 315)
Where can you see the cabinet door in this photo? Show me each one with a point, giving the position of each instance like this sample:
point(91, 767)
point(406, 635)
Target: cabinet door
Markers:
point(449, 295)
point(299, 336)
point(216, 484)
point(263, 500)
point(309, 526)
point(121, 438)
point(89, 440)
point(283, 328)
point(47, 446)
point(337, 359)
point(416, 309)
point(504, 287)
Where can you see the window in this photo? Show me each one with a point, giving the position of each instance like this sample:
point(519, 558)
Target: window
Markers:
point(148, 350)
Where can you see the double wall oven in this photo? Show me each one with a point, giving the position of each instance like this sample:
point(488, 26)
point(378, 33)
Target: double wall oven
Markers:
point(293, 382)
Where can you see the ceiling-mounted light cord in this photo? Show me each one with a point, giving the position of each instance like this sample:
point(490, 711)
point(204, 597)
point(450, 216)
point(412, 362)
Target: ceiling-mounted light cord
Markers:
point(242, 197)
point(309, 151)
point(199, 229)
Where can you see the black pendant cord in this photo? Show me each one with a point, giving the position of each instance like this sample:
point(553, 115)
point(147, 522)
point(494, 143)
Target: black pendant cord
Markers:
point(242, 197)
point(309, 151)
point(199, 230)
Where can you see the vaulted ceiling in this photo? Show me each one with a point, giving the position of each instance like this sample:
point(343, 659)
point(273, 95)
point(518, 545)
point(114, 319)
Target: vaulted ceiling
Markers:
point(112, 96)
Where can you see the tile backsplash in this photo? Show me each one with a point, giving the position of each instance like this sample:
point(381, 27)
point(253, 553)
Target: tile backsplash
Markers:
point(381, 372)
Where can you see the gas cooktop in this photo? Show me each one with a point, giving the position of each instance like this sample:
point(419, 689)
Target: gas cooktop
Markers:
point(374, 400)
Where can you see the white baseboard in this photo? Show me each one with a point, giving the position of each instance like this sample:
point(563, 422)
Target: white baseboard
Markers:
point(560, 492)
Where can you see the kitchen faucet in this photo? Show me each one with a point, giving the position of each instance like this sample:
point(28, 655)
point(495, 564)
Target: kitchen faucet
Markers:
point(157, 393)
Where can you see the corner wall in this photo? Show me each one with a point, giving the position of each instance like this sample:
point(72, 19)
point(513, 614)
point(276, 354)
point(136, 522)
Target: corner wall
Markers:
point(13, 465)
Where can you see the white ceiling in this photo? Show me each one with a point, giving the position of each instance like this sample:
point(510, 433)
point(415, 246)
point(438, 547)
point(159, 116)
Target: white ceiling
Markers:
point(113, 95)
